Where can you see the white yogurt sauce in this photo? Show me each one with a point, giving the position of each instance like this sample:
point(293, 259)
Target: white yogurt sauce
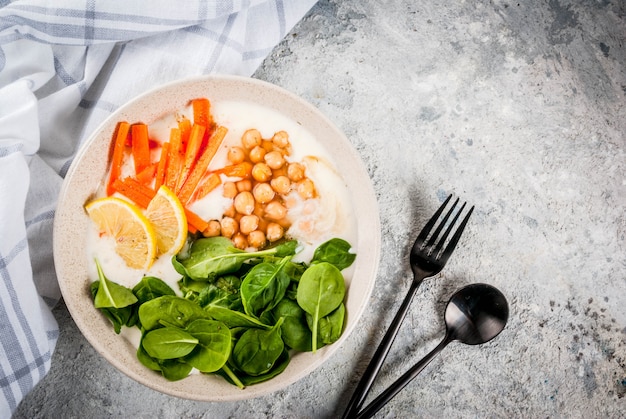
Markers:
point(314, 221)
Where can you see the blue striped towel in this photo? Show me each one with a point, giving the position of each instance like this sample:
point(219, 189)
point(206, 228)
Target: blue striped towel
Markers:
point(64, 67)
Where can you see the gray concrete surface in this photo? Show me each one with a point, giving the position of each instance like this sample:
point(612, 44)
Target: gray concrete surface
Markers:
point(519, 107)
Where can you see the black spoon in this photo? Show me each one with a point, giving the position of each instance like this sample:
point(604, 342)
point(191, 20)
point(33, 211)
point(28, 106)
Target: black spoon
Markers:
point(475, 314)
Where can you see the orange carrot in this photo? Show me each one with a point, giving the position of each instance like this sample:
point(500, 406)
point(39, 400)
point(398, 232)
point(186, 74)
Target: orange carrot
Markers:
point(192, 153)
point(174, 159)
point(135, 191)
point(184, 125)
point(117, 157)
point(140, 146)
point(243, 170)
point(208, 183)
point(202, 112)
point(146, 176)
point(201, 165)
point(160, 173)
point(194, 221)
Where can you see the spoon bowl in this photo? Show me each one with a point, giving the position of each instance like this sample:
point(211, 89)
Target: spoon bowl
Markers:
point(475, 314)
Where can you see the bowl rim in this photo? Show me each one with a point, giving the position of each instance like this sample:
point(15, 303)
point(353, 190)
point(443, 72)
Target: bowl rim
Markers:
point(67, 205)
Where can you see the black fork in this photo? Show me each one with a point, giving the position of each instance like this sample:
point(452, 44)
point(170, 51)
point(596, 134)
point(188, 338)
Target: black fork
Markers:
point(428, 257)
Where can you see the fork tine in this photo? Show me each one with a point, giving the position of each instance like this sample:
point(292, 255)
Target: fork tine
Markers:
point(442, 225)
point(429, 225)
point(457, 235)
point(443, 238)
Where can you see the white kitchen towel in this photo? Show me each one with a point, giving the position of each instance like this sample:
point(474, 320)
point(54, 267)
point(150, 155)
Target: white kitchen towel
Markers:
point(64, 67)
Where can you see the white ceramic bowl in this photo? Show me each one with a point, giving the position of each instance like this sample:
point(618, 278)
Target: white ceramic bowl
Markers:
point(89, 169)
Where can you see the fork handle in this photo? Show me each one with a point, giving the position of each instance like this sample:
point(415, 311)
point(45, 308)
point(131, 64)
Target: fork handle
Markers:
point(363, 388)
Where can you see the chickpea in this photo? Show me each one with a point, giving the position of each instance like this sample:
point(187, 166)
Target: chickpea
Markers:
point(281, 185)
point(257, 154)
point(263, 193)
point(213, 230)
point(274, 159)
point(275, 211)
point(244, 185)
point(236, 155)
point(230, 190)
point(240, 241)
point(229, 227)
point(251, 138)
point(261, 172)
point(257, 239)
point(295, 172)
point(248, 224)
point(274, 232)
point(230, 212)
point(306, 189)
point(244, 203)
point(281, 139)
point(267, 145)
point(280, 172)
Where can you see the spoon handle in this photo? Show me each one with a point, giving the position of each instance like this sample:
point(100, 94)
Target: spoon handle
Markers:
point(401, 382)
point(379, 356)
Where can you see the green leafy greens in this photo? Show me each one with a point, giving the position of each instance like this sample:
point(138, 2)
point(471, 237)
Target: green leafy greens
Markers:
point(238, 314)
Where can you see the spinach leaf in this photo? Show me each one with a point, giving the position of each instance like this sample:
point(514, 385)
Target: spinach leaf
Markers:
point(171, 310)
point(232, 318)
point(320, 291)
point(214, 345)
point(146, 359)
point(215, 256)
point(168, 343)
point(247, 380)
point(263, 287)
point(174, 369)
point(335, 251)
point(110, 294)
point(150, 288)
point(330, 327)
point(257, 350)
point(118, 317)
point(224, 292)
point(295, 332)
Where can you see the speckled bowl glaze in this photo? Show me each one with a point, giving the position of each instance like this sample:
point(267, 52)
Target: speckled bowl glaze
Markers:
point(88, 171)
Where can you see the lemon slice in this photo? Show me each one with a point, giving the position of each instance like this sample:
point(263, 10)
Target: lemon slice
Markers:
point(167, 216)
point(135, 239)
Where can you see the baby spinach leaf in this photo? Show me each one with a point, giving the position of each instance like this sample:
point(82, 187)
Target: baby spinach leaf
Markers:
point(215, 256)
point(110, 294)
point(279, 366)
point(224, 292)
point(125, 316)
point(147, 360)
point(168, 343)
point(214, 345)
point(263, 287)
point(295, 332)
point(232, 318)
point(257, 350)
point(320, 291)
point(330, 327)
point(335, 251)
point(174, 369)
point(151, 287)
point(171, 310)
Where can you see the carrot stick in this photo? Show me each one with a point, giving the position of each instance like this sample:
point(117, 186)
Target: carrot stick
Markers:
point(202, 164)
point(117, 157)
point(202, 112)
point(192, 153)
point(146, 176)
point(140, 146)
point(194, 221)
point(243, 170)
point(160, 173)
point(135, 191)
point(184, 125)
point(208, 183)
point(174, 159)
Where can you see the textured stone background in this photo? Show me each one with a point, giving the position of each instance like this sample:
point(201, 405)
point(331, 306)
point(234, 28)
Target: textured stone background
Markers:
point(519, 108)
